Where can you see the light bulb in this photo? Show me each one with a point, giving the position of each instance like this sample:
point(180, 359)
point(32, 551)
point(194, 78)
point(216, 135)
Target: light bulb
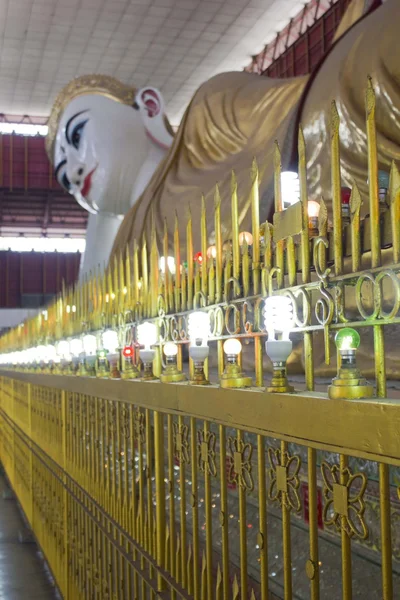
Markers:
point(347, 339)
point(68, 308)
point(110, 341)
point(170, 349)
point(278, 316)
point(75, 347)
point(290, 187)
point(313, 209)
point(245, 236)
point(212, 252)
point(170, 264)
point(147, 334)
point(41, 353)
point(127, 352)
point(199, 327)
point(232, 347)
point(62, 349)
point(50, 354)
point(73, 308)
point(89, 344)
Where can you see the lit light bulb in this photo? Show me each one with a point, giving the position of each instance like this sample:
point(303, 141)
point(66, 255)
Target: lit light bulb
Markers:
point(199, 332)
point(171, 373)
point(75, 347)
point(127, 352)
point(147, 334)
point(170, 264)
point(347, 339)
point(63, 350)
point(170, 349)
point(110, 341)
point(73, 308)
point(212, 252)
point(290, 187)
point(147, 337)
point(232, 376)
point(245, 236)
point(89, 344)
point(232, 347)
point(68, 308)
point(313, 209)
point(278, 316)
point(50, 354)
point(125, 290)
point(41, 353)
point(349, 382)
point(199, 328)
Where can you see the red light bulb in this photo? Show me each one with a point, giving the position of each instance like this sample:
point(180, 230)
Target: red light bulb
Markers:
point(198, 257)
point(346, 193)
point(127, 351)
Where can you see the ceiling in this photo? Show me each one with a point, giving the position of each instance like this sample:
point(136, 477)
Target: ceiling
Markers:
point(174, 45)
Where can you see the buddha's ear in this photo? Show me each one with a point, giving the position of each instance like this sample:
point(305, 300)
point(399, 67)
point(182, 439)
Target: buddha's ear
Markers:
point(152, 110)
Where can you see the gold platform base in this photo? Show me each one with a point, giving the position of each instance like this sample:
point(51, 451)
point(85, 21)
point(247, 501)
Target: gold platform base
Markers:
point(280, 384)
point(350, 385)
point(172, 375)
point(234, 378)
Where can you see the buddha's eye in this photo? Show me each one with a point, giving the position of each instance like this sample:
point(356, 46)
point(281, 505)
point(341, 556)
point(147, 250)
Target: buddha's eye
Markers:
point(65, 182)
point(77, 134)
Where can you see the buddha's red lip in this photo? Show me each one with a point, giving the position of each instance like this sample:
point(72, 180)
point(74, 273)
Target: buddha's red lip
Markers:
point(87, 183)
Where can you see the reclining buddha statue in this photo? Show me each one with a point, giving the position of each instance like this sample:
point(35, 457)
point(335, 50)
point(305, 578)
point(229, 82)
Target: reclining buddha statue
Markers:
point(113, 148)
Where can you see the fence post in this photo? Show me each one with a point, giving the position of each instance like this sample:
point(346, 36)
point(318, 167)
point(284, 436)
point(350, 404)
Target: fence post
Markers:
point(66, 578)
point(160, 493)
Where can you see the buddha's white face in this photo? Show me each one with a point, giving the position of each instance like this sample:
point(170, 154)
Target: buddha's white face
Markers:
point(100, 148)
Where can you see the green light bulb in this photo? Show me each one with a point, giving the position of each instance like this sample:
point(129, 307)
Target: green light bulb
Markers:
point(347, 339)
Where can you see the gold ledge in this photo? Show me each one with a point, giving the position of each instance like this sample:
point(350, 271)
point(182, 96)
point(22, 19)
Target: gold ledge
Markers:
point(368, 428)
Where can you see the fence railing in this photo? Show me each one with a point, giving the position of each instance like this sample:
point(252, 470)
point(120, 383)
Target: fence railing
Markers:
point(137, 493)
point(167, 489)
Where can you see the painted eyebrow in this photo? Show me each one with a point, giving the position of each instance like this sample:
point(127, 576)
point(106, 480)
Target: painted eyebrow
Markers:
point(70, 121)
point(58, 167)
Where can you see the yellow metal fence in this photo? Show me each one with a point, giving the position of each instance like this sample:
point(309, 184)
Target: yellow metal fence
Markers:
point(136, 492)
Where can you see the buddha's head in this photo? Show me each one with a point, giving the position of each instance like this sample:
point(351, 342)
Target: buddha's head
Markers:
point(100, 135)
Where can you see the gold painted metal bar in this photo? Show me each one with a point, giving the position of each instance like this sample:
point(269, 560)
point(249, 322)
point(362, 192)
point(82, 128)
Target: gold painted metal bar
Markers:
point(346, 542)
point(242, 533)
point(145, 278)
point(171, 477)
point(245, 270)
point(160, 493)
point(286, 538)
point(258, 361)
point(313, 523)
point(182, 506)
point(255, 221)
point(235, 228)
point(355, 207)
point(370, 103)
point(209, 525)
point(305, 236)
point(262, 518)
point(189, 258)
point(394, 203)
point(386, 534)
point(291, 261)
point(177, 254)
point(224, 512)
point(280, 261)
point(203, 247)
point(195, 509)
point(166, 267)
point(336, 191)
point(218, 244)
point(154, 269)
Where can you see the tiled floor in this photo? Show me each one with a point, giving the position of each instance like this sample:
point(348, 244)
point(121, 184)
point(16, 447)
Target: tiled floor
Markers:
point(22, 572)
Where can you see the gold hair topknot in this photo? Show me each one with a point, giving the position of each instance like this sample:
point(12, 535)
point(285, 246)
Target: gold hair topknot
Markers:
point(104, 85)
